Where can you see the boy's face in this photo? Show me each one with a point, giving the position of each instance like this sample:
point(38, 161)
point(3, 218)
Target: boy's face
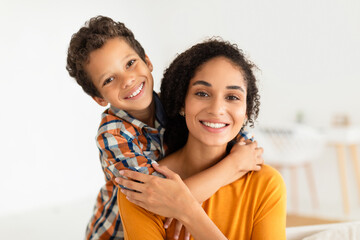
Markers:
point(123, 79)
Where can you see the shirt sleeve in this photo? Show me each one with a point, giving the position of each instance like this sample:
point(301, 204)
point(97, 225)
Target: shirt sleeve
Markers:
point(138, 223)
point(270, 220)
point(121, 150)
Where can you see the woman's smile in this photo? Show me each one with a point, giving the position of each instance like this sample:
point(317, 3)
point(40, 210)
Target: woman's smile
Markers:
point(215, 105)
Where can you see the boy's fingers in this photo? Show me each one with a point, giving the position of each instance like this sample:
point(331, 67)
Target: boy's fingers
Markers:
point(241, 143)
point(261, 160)
point(248, 141)
point(259, 150)
point(257, 167)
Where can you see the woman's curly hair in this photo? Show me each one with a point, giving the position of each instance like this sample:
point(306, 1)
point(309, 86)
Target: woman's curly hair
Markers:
point(176, 80)
point(93, 36)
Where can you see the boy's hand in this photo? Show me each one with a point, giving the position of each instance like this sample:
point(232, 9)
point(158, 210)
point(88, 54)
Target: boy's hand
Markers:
point(248, 156)
point(244, 156)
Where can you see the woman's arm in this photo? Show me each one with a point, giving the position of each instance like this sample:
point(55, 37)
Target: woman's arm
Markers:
point(187, 209)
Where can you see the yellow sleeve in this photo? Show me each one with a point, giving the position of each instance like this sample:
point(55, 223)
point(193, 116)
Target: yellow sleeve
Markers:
point(138, 223)
point(270, 220)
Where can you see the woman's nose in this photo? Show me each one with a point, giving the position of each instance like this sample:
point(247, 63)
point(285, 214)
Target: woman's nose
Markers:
point(216, 106)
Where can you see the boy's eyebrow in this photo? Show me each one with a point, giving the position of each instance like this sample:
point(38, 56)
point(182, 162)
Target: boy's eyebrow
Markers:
point(102, 76)
point(202, 82)
point(127, 56)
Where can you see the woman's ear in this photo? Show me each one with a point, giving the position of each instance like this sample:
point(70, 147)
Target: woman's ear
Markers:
point(245, 120)
point(182, 112)
point(102, 102)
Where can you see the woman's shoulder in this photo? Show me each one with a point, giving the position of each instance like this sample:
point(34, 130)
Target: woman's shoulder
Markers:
point(269, 176)
point(269, 171)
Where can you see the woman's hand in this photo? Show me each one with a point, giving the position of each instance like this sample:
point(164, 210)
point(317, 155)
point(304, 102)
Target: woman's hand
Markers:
point(178, 227)
point(167, 197)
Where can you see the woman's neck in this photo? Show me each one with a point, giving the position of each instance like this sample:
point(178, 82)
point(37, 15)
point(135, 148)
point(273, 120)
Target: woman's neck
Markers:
point(196, 157)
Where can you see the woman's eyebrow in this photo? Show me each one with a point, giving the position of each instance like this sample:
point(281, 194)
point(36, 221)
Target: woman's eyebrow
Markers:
point(202, 82)
point(236, 88)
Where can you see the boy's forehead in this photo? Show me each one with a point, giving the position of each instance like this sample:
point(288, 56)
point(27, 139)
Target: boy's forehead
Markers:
point(120, 42)
point(116, 45)
point(115, 50)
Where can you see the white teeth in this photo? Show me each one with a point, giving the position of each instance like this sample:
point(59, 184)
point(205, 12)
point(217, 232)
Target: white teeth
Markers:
point(214, 125)
point(137, 91)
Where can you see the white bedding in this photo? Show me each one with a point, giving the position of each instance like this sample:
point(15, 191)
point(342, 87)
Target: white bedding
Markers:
point(336, 231)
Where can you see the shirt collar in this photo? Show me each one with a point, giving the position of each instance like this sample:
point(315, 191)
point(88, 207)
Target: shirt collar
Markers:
point(159, 114)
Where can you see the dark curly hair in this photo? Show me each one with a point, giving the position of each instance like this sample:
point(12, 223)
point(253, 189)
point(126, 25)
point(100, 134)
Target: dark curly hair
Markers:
point(93, 36)
point(176, 80)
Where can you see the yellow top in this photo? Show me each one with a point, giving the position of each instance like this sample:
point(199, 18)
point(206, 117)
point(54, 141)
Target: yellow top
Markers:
point(253, 207)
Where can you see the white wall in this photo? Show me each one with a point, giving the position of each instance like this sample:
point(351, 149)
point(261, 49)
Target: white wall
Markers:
point(308, 52)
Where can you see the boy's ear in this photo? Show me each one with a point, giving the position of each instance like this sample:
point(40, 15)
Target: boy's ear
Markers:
point(101, 101)
point(148, 63)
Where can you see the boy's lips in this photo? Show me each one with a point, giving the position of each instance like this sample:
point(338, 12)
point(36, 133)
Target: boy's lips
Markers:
point(136, 92)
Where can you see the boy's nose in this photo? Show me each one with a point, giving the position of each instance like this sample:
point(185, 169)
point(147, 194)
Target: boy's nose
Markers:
point(127, 81)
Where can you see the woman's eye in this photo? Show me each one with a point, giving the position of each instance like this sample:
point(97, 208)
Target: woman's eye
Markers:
point(108, 80)
point(201, 94)
point(232, 98)
point(130, 63)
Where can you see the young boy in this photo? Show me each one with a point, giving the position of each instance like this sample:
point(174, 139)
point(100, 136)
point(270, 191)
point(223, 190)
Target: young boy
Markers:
point(111, 66)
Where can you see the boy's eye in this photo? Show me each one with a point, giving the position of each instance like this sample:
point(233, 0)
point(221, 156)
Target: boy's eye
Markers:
point(130, 63)
point(108, 80)
point(232, 98)
point(201, 94)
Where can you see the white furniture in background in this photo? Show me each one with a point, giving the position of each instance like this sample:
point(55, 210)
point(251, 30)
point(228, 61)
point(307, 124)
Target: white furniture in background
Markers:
point(292, 147)
point(343, 138)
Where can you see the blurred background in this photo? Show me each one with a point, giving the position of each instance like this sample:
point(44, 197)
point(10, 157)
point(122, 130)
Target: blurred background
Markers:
point(308, 55)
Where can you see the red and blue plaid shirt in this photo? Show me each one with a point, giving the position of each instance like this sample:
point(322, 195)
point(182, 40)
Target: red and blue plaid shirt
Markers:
point(124, 143)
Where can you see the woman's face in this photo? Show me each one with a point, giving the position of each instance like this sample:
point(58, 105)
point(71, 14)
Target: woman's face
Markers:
point(215, 104)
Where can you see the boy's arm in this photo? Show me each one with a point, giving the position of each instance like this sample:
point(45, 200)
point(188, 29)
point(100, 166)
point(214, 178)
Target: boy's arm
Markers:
point(156, 194)
point(243, 157)
point(120, 150)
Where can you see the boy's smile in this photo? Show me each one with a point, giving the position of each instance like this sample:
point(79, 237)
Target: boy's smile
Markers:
point(123, 79)
point(136, 92)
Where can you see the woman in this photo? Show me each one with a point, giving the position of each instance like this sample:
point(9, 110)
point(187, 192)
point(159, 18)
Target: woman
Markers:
point(209, 93)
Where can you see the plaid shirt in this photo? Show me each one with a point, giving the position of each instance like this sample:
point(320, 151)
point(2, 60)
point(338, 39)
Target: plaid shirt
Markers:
point(124, 143)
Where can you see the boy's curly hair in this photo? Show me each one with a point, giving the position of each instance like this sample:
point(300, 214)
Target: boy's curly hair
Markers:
point(176, 80)
point(93, 36)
